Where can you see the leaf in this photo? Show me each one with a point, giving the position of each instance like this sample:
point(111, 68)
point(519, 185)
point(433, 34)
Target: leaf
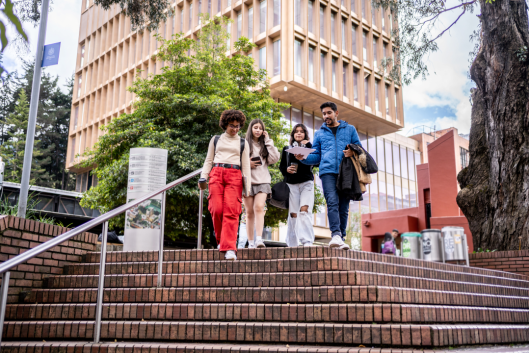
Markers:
point(8, 11)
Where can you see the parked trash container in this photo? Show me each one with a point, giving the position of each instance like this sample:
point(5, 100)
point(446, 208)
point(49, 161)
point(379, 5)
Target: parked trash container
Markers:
point(411, 245)
point(432, 245)
point(455, 243)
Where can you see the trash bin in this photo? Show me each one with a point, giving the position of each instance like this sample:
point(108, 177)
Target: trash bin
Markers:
point(411, 245)
point(455, 243)
point(432, 245)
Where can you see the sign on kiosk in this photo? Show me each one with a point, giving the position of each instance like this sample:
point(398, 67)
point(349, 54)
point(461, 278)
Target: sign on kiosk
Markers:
point(147, 172)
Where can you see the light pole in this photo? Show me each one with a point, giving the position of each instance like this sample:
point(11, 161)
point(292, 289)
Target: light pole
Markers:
point(34, 104)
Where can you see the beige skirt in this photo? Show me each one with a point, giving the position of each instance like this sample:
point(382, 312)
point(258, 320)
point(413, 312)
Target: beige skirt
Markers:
point(264, 188)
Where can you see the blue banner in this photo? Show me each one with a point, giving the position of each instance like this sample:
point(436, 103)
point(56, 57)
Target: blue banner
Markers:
point(51, 54)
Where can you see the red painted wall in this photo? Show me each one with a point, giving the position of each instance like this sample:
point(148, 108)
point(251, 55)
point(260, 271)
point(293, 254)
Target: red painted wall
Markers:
point(443, 175)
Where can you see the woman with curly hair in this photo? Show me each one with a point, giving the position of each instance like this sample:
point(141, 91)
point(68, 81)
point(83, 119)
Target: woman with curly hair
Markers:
point(228, 155)
point(262, 154)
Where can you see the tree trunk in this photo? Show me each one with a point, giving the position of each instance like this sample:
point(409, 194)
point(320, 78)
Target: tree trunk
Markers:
point(494, 192)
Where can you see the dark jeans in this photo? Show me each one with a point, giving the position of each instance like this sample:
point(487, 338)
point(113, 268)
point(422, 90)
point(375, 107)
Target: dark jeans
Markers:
point(337, 206)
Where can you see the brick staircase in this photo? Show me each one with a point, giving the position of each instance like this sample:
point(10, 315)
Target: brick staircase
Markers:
point(275, 300)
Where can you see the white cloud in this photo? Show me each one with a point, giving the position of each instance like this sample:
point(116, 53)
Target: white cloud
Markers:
point(448, 83)
point(63, 26)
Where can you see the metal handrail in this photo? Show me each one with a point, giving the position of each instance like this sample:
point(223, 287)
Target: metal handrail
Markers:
point(104, 218)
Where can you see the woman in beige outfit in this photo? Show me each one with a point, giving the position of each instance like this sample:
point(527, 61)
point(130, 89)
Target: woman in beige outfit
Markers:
point(262, 154)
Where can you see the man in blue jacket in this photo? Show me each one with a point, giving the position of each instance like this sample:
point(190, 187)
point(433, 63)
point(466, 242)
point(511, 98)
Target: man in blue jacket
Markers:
point(330, 143)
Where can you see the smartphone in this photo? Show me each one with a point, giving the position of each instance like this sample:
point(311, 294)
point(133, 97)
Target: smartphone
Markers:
point(257, 159)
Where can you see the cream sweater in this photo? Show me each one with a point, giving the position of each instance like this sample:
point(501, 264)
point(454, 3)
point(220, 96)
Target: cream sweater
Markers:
point(261, 175)
point(228, 152)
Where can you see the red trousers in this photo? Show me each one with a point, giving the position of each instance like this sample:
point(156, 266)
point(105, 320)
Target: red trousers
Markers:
point(224, 204)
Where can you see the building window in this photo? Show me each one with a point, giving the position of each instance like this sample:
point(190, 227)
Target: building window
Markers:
point(377, 89)
point(82, 56)
point(199, 9)
point(344, 45)
point(209, 8)
point(228, 41)
point(355, 84)
point(79, 85)
point(364, 45)
point(411, 166)
point(250, 23)
point(277, 12)
point(239, 25)
point(403, 164)
point(72, 156)
point(389, 160)
point(345, 67)
point(311, 64)
point(297, 58)
point(375, 52)
point(366, 89)
point(190, 16)
point(311, 16)
point(277, 57)
point(353, 5)
point(396, 104)
point(383, 20)
point(297, 12)
point(363, 8)
point(322, 70)
point(373, 16)
point(396, 160)
point(262, 16)
point(76, 117)
point(333, 28)
point(387, 98)
point(262, 58)
point(464, 157)
point(353, 41)
point(322, 24)
point(182, 20)
point(219, 6)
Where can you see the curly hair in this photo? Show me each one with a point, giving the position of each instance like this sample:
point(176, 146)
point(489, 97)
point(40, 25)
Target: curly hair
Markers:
point(230, 116)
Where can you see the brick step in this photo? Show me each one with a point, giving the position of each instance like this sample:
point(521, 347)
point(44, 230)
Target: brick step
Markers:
point(349, 313)
point(296, 279)
point(291, 253)
point(155, 347)
point(288, 265)
point(302, 333)
point(313, 295)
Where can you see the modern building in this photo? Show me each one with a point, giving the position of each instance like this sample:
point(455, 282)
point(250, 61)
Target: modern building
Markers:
point(444, 154)
point(313, 50)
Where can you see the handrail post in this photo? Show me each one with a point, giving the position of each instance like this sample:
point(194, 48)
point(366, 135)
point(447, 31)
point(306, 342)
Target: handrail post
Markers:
point(200, 205)
point(3, 301)
point(160, 250)
point(101, 284)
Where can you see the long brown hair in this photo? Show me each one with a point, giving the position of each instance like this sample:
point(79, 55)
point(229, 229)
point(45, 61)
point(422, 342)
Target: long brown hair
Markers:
point(249, 137)
point(305, 130)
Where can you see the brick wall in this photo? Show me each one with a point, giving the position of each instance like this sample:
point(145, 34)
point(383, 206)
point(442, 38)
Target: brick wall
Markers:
point(18, 235)
point(509, 261)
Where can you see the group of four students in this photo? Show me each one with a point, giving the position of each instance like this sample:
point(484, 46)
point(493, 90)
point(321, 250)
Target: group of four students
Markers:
point(234, 165)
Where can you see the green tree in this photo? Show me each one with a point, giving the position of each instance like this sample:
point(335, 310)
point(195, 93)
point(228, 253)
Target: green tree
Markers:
point(12, 151)
point(179, 110)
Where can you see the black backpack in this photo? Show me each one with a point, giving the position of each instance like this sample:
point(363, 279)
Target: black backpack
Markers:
point(280, 195)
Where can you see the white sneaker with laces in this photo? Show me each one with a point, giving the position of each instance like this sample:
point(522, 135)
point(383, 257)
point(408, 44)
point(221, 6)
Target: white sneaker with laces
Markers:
point(230, 255)
point(336, 242)
point(307, 244)
point(218, 247)
point(259, 243)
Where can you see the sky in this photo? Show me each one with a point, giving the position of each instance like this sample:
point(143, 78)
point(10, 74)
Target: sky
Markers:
point(440, 101)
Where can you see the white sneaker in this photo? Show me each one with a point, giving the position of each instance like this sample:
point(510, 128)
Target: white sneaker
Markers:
point(259, 243)
point(307, 244)
point(230, 255)
point(344, 246)
point(336, 242)
point(218, 247)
